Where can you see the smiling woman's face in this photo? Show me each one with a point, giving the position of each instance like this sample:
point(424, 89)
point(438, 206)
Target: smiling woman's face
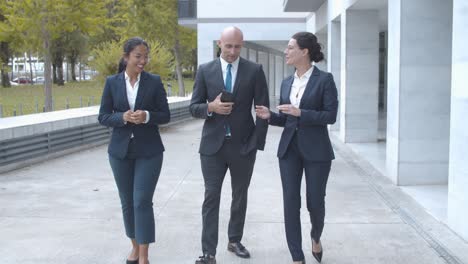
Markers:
point(137, 60)
point(294, 54)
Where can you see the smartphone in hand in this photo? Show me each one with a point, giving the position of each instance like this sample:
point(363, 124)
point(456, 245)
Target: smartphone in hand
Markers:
point(227, 97)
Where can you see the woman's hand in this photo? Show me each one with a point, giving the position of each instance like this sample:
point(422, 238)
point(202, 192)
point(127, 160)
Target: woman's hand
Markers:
point(262, 111)
point(289, 109)
point(139, 117)
point(127, 116)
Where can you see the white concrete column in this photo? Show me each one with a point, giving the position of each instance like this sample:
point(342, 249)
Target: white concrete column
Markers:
point(458, 165)
point(419, 74)
point(253, 55)
point(206, 45)
point(243, 53)
point(271, 75)
point(359, 78)
point(279, 74)
point(334, 62)
point(263, 60)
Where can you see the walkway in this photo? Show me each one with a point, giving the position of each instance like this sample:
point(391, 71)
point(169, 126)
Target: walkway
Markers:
point(67, 211)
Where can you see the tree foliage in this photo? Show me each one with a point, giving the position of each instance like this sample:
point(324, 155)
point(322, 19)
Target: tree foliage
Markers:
point(76, 30)
point(107, 55)
point(105, 58)
point(40, 22)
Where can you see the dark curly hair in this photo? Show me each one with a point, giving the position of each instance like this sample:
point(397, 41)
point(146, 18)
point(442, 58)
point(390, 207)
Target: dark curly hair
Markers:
point(307, 40)
point(129, 45)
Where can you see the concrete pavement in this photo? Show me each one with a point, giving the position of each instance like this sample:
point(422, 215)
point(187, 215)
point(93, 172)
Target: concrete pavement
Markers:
point(67, 210)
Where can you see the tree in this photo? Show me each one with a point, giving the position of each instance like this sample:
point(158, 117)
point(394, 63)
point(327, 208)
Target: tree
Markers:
point(6, 36)
point(57, 52)
point(5, 55)
point(160, 23)
point(76, 44)
point(43, 21)
point(188, 39)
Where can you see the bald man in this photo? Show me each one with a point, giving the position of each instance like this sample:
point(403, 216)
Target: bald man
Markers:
point(224, 91)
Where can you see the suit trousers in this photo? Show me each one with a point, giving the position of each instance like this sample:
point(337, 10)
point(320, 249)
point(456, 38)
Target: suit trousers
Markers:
point(136, 180)
point(292, 166)
point(214, 168)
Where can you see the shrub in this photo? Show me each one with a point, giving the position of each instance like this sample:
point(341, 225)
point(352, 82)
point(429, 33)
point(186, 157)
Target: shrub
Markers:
point(106, 56)
point(161, 60)
point(105, 59)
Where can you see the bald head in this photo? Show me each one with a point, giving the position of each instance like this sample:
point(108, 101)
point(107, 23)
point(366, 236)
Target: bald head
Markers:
point(231, 42)
point(232, 32)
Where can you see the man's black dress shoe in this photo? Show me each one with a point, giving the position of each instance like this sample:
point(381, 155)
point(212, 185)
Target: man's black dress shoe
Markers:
point(132, 261)
point(239, 249)
point(206, 259)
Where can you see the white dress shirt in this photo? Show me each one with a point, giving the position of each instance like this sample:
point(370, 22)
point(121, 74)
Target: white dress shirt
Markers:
point(234, 68)
point(132, 93)
point(298, 87)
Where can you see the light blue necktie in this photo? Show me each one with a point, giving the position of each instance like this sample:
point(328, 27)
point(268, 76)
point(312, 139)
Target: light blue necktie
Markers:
point(228, 86)
point(228, 78)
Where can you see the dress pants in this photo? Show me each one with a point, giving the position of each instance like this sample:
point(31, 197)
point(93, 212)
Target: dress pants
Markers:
point(214, 168)
point(292, 166)
point(136, 180)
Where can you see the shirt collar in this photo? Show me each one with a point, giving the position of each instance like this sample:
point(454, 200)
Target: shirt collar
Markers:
point(224, 63)
point(306, 75)
point(127, 78)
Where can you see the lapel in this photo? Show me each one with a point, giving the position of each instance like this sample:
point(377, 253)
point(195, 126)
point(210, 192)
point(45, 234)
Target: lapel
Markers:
point(218, 75)
point(287, 89)
point(141, 90)
point(310, 85)
point(122, 87)
point(239, 74)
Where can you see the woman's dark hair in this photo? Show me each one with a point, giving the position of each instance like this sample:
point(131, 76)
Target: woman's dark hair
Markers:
point(307, 40)
point(129, 45)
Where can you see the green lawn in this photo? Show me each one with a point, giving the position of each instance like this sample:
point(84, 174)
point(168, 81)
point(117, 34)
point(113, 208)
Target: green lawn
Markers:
point(84, 93)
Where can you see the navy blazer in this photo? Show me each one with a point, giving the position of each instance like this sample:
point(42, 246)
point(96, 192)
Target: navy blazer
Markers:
point(319, 106)
point(114, 103)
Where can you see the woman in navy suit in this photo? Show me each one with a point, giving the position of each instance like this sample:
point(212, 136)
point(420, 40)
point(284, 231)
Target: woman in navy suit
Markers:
point(308, 103)
point(134, 103)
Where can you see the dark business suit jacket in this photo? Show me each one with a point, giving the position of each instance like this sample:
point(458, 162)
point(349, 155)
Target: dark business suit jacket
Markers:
point(250, 86)
point(114, 103)
point(318, 106)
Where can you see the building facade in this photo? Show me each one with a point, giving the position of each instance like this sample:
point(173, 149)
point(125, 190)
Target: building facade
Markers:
point(401, 68)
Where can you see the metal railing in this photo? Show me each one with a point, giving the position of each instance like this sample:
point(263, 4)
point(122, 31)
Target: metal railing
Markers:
point(41, 145)
point(23, 151)
point(187, 8)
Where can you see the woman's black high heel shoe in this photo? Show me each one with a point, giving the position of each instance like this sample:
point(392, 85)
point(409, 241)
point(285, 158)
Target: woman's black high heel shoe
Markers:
point(317, 255)
point(132, 261)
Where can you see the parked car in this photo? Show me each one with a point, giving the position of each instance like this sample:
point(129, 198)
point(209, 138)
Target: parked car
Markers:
point(22, 80)
point(38, 80)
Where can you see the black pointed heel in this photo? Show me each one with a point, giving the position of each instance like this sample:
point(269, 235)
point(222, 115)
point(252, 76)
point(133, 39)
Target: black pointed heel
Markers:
point(132, 261)
point(317, 255)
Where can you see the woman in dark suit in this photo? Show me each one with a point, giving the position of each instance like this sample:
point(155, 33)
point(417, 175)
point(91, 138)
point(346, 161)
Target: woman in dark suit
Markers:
point(308, 103)
point(134, 103)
